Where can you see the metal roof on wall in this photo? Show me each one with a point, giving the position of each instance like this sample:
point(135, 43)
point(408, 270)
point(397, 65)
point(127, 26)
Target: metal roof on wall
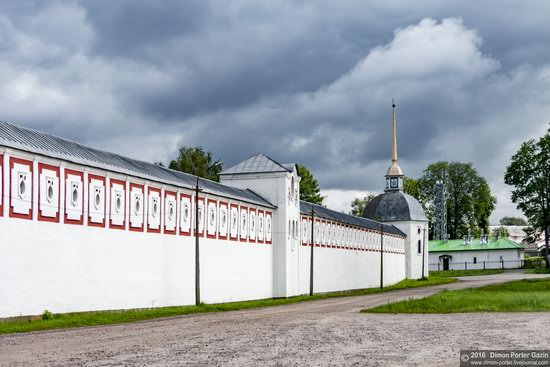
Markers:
point(324, 213)
point(259, 163)
point(45, 144)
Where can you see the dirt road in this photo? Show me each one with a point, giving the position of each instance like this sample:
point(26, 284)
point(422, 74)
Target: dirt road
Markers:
point(329, 332)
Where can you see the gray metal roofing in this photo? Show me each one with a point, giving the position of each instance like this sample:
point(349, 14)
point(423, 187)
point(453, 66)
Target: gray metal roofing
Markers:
point(394, 206)
point(259, 163)
point(322, 212)
point(38, 142)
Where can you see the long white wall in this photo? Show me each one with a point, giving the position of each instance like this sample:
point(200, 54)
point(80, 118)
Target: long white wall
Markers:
point(342, 269)
point(75, 238)
point(347, 257)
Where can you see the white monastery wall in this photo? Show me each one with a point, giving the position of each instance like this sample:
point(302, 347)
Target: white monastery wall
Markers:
point(75, 238)
point(348, 257)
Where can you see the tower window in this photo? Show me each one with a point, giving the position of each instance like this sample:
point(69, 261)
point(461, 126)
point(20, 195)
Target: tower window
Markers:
point(419, 246)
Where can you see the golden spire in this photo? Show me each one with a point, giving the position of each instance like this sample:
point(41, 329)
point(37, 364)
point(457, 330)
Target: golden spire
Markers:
point(394, 169)
point(393, 134)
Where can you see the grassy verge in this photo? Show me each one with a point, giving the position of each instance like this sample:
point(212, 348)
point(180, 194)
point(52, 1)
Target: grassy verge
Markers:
point(519, 296)
point(537, 271)
point(57, 321)
point(464, 273)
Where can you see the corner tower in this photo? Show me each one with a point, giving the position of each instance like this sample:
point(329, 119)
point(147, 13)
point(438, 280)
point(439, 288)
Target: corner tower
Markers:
point(403, 211)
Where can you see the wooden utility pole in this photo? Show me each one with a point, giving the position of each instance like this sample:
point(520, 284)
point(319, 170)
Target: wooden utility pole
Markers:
point(197, 254)
point(311, 252)
point(381, 256)
point(197, 258)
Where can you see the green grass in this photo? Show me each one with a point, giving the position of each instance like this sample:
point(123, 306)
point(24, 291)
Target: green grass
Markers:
point(537, 271)
point(57, 321)
point(464, 273)
point(527, 295)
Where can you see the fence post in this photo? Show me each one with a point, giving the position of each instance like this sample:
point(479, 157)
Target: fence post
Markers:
point(502, 263)
point(483, 264)
point(438, 266)
point(465, 265)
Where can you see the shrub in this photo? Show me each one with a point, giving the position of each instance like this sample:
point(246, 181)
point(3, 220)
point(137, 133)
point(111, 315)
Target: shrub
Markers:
point(47, 315)
point(534, 262)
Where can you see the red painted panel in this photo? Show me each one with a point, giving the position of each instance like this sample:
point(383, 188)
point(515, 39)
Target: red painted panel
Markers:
point(271, 218)
point(102, 179)
point(261, 239)
point(206, 211)
point(113, 182)
point(231, 237)
point(241, 239)
point(201, 201)
point(149, 229)
point(253, 238)
point(81, 175)
point(42, 167)
point(186, 233)
point(173, 194)
point(220, 205)
point(14, 160)
point(137, 186)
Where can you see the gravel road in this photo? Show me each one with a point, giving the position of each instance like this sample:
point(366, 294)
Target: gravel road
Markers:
point(329, 332)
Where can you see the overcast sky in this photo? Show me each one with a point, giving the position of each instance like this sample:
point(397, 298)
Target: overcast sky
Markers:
point(305, 82)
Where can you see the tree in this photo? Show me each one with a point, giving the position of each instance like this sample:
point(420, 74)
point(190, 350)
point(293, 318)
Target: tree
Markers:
point(512, 221)
point(529, 174)
point(196, 161)
point(358, 204)
point(469, 199)
point(501, 232)
point(411, 186)
point(309, 187)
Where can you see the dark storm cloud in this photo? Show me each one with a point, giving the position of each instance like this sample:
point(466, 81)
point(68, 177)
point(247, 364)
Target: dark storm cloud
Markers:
point(307, 82)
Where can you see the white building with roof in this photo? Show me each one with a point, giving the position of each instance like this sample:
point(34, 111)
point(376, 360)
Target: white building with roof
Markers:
point(82, 229)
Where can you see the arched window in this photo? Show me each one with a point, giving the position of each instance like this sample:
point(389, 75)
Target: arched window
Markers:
point(419, 246)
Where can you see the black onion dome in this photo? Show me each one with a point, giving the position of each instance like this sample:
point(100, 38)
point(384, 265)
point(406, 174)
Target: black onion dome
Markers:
point(394, 206)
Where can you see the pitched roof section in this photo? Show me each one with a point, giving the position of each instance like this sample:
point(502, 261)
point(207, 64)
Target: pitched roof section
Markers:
point(322, 212)
point(475, 245)
point(260, 163)
point(38, 142)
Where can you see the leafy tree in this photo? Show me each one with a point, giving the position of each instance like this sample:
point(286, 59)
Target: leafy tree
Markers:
point(512, 221)
point(411, 186)
point(501, 232)
point(309, 187)
point(358, 204)
point(196, 161)
point(469, 199)
point(529, 174)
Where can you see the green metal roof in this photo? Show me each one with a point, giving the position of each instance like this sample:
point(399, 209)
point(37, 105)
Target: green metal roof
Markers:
point(475, 245)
